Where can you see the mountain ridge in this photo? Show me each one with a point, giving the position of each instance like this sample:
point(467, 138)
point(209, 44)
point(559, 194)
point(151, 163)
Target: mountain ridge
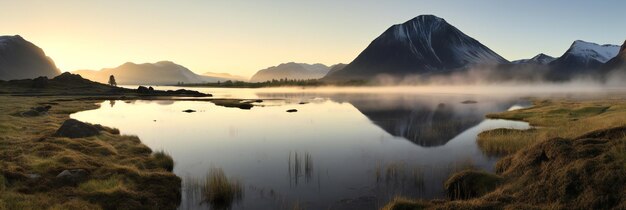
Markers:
point(291, 70)
point(158, 73)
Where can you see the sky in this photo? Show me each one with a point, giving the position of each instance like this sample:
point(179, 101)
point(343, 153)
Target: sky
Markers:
point(241, 37)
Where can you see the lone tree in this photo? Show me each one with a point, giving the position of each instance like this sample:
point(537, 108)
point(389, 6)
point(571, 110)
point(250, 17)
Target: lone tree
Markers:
point(112, 81)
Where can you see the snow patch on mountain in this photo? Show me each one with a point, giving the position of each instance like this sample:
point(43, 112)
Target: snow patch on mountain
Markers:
point(602, 53)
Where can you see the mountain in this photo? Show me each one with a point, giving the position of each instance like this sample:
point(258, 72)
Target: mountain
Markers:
point(581, 58)
point(159, 73)
point(291, 71)
point(336, 67)
point(538, 59)
point(423, 45)
point(20, 59)
point(225, 76)
point(618, 62)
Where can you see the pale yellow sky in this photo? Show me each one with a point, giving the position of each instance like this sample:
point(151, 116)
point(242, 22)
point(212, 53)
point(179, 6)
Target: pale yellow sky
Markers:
point(241, 37)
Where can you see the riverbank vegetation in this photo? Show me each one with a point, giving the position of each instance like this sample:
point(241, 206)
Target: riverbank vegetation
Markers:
point(564, 118)
point(573, 158)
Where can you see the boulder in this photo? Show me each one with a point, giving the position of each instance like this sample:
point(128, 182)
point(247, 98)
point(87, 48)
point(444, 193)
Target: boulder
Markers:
point(76, 129)
point(292, 110)
point(33, 176)
point(72, 176)
point(143, 89)
point(189, 110)
point(36, 111)
point(40, 82)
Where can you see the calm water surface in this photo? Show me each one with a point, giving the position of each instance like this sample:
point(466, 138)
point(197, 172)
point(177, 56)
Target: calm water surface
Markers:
point(341, 150)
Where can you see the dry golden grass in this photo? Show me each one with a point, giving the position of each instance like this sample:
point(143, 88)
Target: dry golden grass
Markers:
point(564, 118)
point(122, 171)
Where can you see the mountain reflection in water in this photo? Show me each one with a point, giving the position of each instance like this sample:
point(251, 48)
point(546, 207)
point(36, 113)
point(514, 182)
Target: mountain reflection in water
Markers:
point(418, 118)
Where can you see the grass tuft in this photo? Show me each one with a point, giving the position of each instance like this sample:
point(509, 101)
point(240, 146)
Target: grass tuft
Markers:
point(161, 159)
point(220, 191)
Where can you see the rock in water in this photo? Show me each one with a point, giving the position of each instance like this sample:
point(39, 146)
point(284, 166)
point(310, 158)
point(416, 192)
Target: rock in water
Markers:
point(469, 102)
point(76, 129)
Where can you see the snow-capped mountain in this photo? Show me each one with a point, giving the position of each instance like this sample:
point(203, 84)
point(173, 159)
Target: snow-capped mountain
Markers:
point(291, 70)
point(21, 59)
point(538, 59)
point(159, 73)
point(423, 45)
point(581, 58)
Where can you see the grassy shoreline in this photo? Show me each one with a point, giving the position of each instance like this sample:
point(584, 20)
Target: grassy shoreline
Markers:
point(122, 173)
point(573, 158)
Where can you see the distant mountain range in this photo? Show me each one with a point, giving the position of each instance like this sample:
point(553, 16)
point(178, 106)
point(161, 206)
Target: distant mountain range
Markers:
point(538, 59)
point(425, 45)
point(20, 59)
point(291, 70)
point(225, 76)
point(159, 73)
point(421, 46)
point(582, 58)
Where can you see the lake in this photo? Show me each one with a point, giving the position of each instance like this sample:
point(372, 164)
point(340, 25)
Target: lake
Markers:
point(342, 149)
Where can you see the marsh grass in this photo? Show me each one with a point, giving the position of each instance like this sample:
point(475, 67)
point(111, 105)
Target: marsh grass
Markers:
point(162, 159)
point(297, 164)
point(216, 189)
point(551, 119)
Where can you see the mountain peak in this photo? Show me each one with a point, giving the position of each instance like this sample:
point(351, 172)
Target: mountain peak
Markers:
point(425, 44)
point(623, 48)
point(14, 37)
point(425, 19)
point(586, 44)
point(590, 50)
